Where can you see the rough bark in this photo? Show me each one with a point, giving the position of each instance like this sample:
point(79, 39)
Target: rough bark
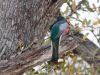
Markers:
point(89, 51)
point(23, 21)
point(27, 20)
point(34, 57)
point(41, 54)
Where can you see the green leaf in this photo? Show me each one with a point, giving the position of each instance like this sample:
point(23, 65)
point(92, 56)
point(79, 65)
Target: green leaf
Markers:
point(74, 18)
point(90, 9)
point(31, 70)
point(42, 74)
point(77, 14)
point(36, 72)
point(82, 54)
point(88, 22)
point(61, 64)
point(98, 39)
point(86, 3)
point(96, 51)
point(98, 34)
point(85, 21)
point(46, 41)
point(92, 30)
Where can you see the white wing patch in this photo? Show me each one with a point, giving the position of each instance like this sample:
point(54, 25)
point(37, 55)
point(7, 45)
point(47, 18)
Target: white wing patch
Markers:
point(63, 26)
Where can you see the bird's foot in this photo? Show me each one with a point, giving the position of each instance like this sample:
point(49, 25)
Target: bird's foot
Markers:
point(54, 60)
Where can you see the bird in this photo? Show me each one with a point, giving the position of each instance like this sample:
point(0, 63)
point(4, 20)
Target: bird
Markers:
point(59, 28)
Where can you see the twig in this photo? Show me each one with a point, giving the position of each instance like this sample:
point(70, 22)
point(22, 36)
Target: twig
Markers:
point(77, 7)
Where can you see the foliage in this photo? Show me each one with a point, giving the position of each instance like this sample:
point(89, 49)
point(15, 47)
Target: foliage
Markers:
point(68, 64)
point(92, 22)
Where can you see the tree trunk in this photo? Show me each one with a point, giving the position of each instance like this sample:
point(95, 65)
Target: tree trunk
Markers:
point(23, 26)
point(22, 21)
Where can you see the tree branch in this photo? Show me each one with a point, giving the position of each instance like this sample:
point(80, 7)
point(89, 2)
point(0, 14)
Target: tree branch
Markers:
point(34, 57)
point(77, 7)
point(90, 51)
point(41, 54)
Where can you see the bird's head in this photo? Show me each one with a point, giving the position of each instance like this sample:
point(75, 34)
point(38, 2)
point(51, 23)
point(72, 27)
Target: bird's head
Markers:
point(59, 18)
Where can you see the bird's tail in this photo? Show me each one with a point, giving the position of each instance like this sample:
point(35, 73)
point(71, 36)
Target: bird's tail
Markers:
point(55, 51)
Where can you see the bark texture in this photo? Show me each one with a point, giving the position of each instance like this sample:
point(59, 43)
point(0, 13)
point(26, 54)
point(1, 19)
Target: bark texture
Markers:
point(24, 23)
point(21, 21)
point(33, 58)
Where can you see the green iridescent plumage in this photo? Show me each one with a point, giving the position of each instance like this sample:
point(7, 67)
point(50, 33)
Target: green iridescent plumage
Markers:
point(57, 30)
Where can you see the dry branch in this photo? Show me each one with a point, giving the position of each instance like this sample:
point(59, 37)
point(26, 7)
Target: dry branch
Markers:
point(39, 55)
point(34, 57)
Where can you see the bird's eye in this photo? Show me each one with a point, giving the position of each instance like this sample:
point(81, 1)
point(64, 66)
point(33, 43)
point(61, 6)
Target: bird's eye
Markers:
point(58, 19)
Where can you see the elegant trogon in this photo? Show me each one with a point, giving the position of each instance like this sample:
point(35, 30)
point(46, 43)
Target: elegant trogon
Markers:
point(59, 28)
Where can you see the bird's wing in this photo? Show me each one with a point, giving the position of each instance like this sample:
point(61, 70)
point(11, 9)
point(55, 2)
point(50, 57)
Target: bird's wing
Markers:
point(62, 28)
point(59, 33)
